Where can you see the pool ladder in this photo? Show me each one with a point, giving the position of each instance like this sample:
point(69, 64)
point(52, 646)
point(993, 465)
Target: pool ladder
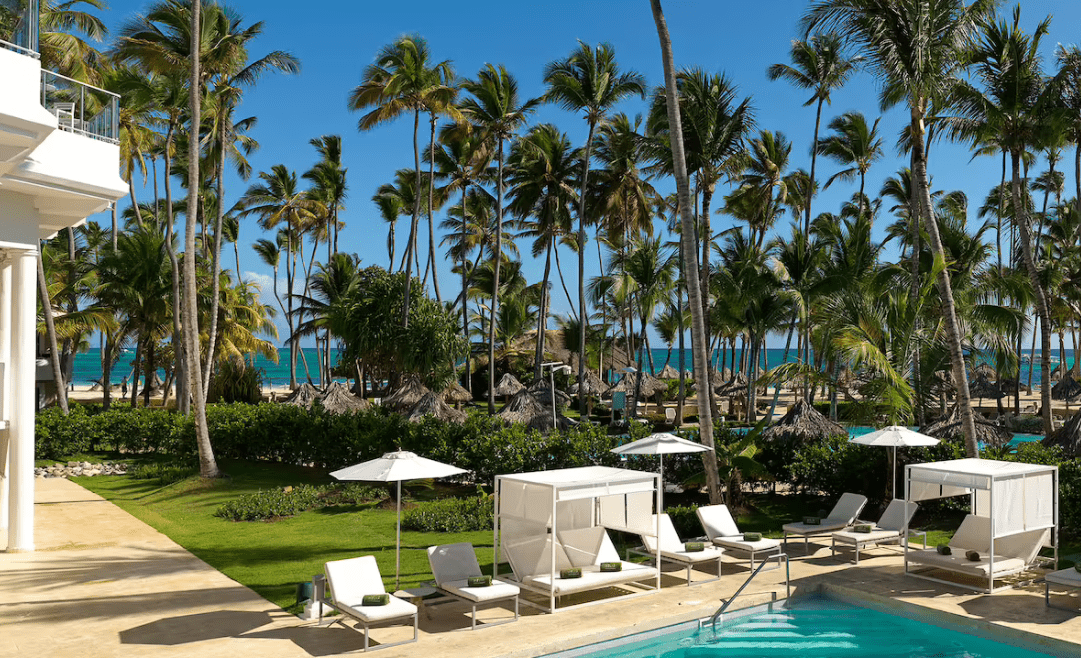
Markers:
point(787, 585)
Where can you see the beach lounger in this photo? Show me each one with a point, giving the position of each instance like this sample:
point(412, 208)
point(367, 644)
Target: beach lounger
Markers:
point(721, 529)
point(843, 514)
point(1013, 554)
point(668, 547)
point(453, 565)
point(353, 579)
point(888, 529)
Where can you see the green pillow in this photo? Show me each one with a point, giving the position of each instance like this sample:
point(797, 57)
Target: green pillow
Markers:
point(944, 549)
point(479, 581)
point(752, 536)
point(694, 547)
point(611, 567)
point(375, 599)
point(865, 528)
point(973, 556)
point(812, 520)
point(567, 574)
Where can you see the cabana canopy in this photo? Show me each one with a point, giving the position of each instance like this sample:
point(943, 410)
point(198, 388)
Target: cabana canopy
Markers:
point(1015, 505)
point(533, 509)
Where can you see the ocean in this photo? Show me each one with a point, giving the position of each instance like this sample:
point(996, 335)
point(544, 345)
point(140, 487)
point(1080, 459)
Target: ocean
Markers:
point(88, 364)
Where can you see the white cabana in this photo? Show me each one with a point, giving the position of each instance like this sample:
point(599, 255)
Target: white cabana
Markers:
point(548, 521)
point(1014, 514)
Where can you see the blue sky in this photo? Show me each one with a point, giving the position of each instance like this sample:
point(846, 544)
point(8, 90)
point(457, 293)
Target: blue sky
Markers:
point(336, 40)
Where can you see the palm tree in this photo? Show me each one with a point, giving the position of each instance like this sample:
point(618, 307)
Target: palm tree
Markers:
point(818, 64)
point(402, 79)
point(1015, 105)
point(763, 185)
point(589, 81)
point(914, 47)
point(62, 45)
point(694, 292)
point(542, 191)
point(855, 145)
point(652, 269)
point(496, 110)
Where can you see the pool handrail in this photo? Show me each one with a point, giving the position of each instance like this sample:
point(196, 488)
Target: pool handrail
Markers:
point(787, 585)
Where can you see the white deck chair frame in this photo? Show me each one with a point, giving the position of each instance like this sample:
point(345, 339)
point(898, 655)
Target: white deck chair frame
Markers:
point(888, 530)
point(458, 562)
point(668, 547)
point(843, 514)
point(721, 529)
point(360, 576)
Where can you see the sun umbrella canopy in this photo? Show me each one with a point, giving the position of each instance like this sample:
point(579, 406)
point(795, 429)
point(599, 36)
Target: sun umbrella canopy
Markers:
point(895, 436)
point(395, 467)
point(660, 444)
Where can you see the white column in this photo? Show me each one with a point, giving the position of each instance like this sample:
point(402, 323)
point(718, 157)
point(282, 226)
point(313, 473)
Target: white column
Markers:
point(24, 308)
point(5, 389)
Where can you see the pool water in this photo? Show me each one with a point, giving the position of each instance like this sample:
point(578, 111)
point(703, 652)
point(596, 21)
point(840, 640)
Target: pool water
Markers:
point(860, 430)
point(817, 628)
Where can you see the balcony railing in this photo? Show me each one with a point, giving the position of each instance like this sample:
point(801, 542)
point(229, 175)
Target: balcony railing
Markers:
point(80, 108)
point(19, 26)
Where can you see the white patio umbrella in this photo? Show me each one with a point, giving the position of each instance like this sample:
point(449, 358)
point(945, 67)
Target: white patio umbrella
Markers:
point(895, 437)
point(660, 444)
point(395, 467)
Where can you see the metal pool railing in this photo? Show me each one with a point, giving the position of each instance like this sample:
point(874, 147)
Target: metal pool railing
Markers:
point(81, 108)
point(19, 26)
point(787, 585)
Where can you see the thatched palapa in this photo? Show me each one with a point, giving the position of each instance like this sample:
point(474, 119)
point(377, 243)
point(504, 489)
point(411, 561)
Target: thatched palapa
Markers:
point(508, 386)
point(406, 396)
point(305, 396)
point(1056, 374)
point(668, 372)
point(337, 399)
point(431, 404)
point(986, 371)
point(541, 389)
point(457, 394)
point(594, 385)
point(1067, 437)
point(950, 428)
point(981, 388)
point(524, 408)
point(737, 386)
point(1010, 386)
point(802, 424)
point(650, 385)
point(1067, 389)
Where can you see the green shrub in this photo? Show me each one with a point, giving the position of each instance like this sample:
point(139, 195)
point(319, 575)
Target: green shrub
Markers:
point(235, 380)
point(836, 465)
point(450, 515)
point(685, 520)
point(164, 472)
point(273, 504)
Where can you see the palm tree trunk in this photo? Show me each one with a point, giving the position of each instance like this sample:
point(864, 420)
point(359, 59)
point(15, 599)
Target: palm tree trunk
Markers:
point(431, 223)
point(914, 284)
point(290, 265)
point(584, 310)
point(1042, 311)
point(563, 284)
point(413, 224)
point(183, 395)
point(543, 314)
point(495, 279)
point(107, 349)
point(134, 203)
point(215, 261)
point(777, 385)
point(811, 184)
point(135, 370)
point(50, 332)
point(679, 322)
point(694, 292)
point(465, 300)
point(208, 467)
point(949, 308)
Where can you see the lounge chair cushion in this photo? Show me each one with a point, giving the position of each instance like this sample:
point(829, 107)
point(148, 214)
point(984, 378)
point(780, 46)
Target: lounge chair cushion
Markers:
point(873, 537)
point(673, 548)
point(960, 564)
point(453, 562)
point(499, 589)
point(717, 521)
point(737, 543)
point(897, 515)
point(533, 555)
point(350, 580)
point(842, 515)
point(588, 546)
point(592, 578)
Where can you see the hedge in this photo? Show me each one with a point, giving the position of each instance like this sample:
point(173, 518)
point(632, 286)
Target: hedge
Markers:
point(288, 434)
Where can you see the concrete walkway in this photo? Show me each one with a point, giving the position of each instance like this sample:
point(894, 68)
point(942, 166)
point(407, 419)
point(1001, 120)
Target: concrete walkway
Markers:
point(103, 583)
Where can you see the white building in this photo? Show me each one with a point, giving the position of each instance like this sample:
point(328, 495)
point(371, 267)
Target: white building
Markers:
point(59, 164)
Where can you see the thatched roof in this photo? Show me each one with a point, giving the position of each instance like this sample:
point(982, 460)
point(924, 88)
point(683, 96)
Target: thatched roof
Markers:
point(541, 389)
point(406, 396)
point(802, 424)
point(668, 372)
point(337, 399)
point(650, 385)
point(984, 370)
point(981, 388)
point(305, 396)
point(594, 385)
point(1067, 389)
point(950, 428)
point(1068, 437)
point(509, 385)
point(431, 404)
point(736, 386)
point(456, 394)
point(1056, 374)
point(1009, 386)
point(524, 408)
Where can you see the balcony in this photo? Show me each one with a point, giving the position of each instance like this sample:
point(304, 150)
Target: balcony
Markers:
point(19, 26)
point(81, 108)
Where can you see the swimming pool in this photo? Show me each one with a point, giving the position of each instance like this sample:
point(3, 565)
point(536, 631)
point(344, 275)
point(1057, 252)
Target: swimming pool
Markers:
point(817, 627)
point(860, 430)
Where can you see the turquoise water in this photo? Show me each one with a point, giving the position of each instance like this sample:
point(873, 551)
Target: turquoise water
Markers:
point(860, 430)
point(817, 628)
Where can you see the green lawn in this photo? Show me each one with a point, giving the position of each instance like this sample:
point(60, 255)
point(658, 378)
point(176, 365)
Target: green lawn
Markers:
point(271, 557)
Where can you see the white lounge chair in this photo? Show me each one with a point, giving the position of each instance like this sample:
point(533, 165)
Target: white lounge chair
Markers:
point(669, 547)
point(453, 565)
point(1013, 554)
point(721, 529)
point(888, 529)
point(350, 581)
point(586, 548)
point(843, 514)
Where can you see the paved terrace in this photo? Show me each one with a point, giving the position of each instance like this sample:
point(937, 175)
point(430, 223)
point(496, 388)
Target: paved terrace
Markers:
point(105, 584)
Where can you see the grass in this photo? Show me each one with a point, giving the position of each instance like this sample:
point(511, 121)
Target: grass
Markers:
point(272, 557)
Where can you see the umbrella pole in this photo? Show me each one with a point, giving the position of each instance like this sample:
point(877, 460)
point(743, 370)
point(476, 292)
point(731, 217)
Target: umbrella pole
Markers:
point(398, 553)
point(895, 471)
point(661, 496)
